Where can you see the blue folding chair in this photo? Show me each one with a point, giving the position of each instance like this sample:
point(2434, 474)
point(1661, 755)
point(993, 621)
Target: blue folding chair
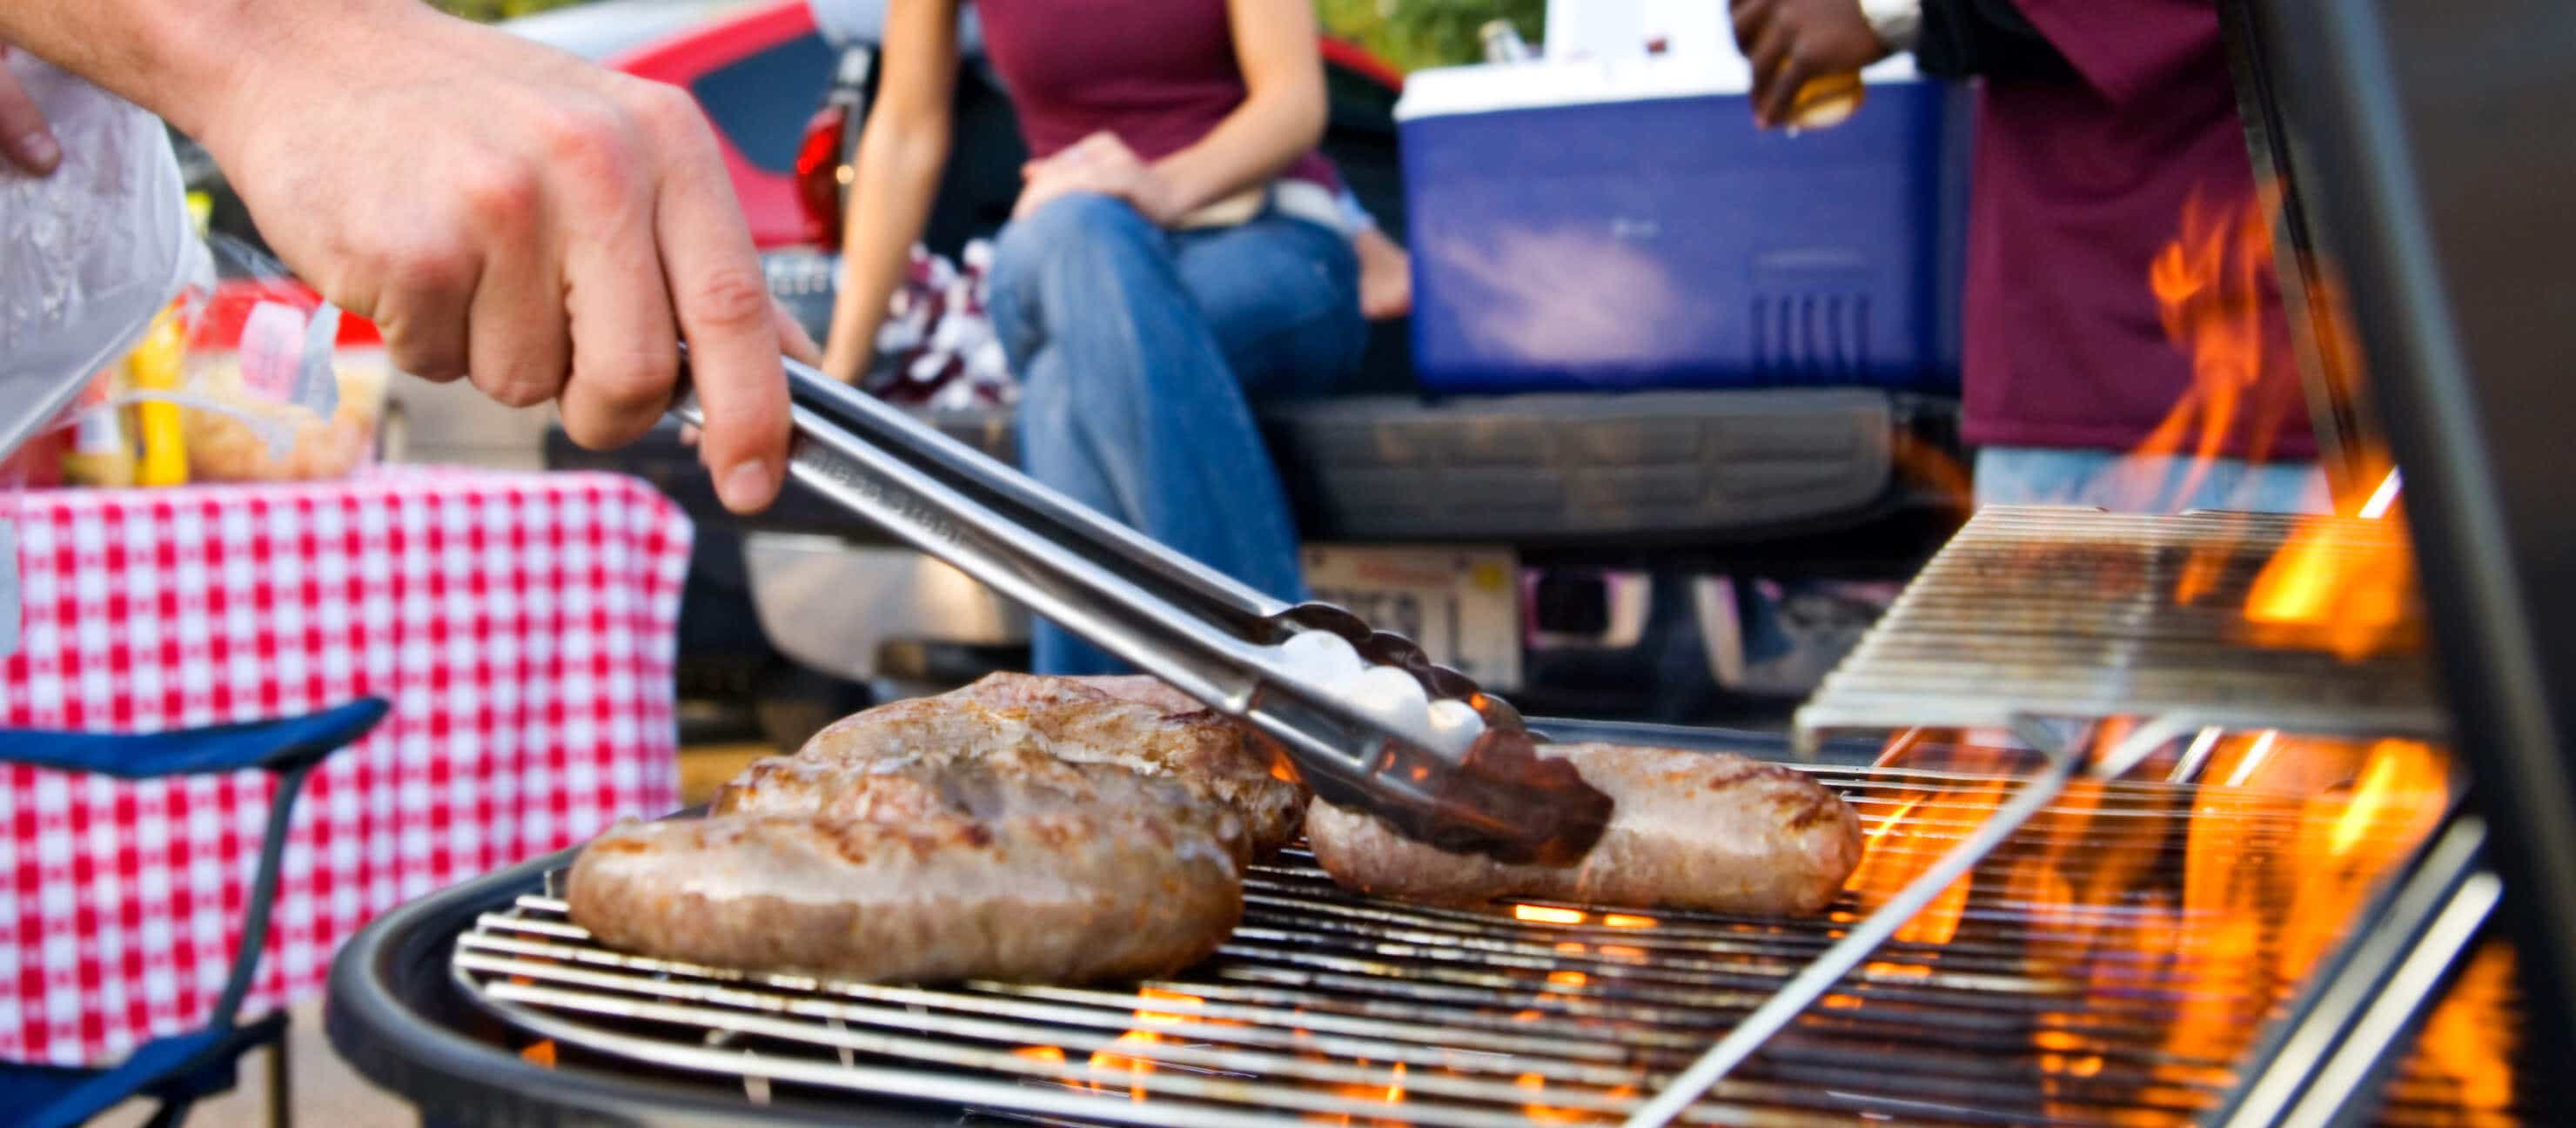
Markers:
point(181, 1069)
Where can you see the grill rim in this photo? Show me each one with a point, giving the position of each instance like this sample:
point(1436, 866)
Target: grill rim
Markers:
point(394, 1014)
point(391, 1012)
point(394, 1010)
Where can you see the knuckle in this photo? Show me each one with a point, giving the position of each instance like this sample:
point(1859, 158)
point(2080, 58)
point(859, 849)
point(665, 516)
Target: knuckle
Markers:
point(516, 390)
point(589, 143)
point(627, 379)
point(731, 297)
point(603, 430)
point(499, 192)
point(423, 355)
point(425, 270)
point(668, 111)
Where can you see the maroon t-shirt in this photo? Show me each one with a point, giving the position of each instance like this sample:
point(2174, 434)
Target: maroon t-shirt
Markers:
point(1158, 73)
point(2077, 186)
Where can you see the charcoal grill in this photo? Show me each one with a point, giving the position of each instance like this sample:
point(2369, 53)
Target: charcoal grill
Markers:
point(2084, 973)
point(1329, 1005)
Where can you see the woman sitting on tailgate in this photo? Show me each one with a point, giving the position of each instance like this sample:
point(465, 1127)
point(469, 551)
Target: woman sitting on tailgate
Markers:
point(1176, 252)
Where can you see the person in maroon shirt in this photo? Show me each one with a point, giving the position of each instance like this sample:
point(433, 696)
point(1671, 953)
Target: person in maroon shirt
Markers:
point(2098, 124)
point(1176, 251)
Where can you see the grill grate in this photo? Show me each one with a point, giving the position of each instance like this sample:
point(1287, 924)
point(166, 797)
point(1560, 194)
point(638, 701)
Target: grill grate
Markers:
point(2110, 963)
point(2078, 613)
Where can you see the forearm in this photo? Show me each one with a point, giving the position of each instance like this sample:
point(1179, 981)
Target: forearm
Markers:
point(187, 60)
point(1261, 137)
point(891, 190)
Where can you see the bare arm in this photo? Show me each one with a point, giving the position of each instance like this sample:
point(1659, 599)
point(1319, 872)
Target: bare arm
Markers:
point(168, 57)
point(901, 153)
point(579, 226)
point(1283, 110)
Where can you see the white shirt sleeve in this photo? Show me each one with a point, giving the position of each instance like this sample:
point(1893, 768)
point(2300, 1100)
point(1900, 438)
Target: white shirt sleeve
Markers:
point(1898, 23)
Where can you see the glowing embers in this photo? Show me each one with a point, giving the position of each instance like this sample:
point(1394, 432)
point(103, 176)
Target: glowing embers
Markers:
point(2156, 928)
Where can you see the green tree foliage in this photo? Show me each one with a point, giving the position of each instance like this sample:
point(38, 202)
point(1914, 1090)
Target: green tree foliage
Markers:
point(1413, 34)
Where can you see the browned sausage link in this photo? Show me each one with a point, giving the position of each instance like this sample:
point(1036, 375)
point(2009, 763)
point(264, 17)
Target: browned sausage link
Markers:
point(1113, 891)
point(1070, 720)
point(1693, 830)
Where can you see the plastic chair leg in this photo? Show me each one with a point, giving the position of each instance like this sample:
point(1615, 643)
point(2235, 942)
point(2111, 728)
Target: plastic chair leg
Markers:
point(281, 1087)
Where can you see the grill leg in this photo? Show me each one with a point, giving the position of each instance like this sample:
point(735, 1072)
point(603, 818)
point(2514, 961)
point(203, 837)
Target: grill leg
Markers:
point(1801, 991)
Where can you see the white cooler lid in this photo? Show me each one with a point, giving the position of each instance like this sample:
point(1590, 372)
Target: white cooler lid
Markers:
point(1541, 83)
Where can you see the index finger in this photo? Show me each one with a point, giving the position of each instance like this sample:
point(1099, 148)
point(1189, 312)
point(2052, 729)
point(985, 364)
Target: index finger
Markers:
point(1779, 102)
point(1748, 16)
point(723, 308)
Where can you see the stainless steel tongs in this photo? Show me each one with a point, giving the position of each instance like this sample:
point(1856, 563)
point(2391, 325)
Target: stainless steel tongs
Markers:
point(1464, 779)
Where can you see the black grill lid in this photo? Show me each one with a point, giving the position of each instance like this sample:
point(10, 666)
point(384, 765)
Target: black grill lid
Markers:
point(2428, 175)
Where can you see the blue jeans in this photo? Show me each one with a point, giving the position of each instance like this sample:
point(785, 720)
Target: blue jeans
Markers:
point(2128, 483)
point(1140, 352)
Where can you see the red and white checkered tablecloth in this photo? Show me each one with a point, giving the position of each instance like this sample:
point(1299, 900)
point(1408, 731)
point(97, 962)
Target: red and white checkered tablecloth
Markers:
point(523, 625)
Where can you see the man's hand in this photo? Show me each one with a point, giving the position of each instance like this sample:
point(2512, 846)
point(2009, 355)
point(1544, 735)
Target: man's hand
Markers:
point(517, 217)
point(1794, 41)
point(25, 141)
point(1104, 164)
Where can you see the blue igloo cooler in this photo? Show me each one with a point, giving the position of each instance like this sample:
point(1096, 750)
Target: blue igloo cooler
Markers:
point(1597, 224)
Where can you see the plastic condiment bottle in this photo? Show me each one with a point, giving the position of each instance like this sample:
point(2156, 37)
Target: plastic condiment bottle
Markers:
point(98, 453)
point(154, 366)
point(1825, 102)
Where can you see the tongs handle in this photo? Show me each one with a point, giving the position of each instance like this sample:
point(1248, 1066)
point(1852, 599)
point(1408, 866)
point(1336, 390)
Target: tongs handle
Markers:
point(1207, 635)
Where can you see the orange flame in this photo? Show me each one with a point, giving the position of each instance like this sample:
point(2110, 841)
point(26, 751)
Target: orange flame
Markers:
point(1390, 1093)
point(1110, 1059)
point(1542, 914)
point(1914, 836)
point(2212, 285)
point(2345, 588)
point(1546, 1114)
point(2237, 923)
point(2465, 1052)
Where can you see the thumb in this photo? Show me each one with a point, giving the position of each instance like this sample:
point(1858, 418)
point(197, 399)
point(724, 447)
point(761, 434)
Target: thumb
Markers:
point(24, 138)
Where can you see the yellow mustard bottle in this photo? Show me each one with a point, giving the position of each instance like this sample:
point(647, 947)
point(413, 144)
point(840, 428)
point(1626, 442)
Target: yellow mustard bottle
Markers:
point(1825, 101)
point(154, 366)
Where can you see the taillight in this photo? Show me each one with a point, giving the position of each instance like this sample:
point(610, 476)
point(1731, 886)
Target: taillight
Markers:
point(819, 173)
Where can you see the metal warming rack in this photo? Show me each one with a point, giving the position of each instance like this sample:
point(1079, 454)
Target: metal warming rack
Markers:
point(2042, 613)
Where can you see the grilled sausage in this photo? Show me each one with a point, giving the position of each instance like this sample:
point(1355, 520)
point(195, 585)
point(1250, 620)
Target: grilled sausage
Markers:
point(1693, 830)
point(1073, 722)
point(960, 872)
point(1142, 689)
